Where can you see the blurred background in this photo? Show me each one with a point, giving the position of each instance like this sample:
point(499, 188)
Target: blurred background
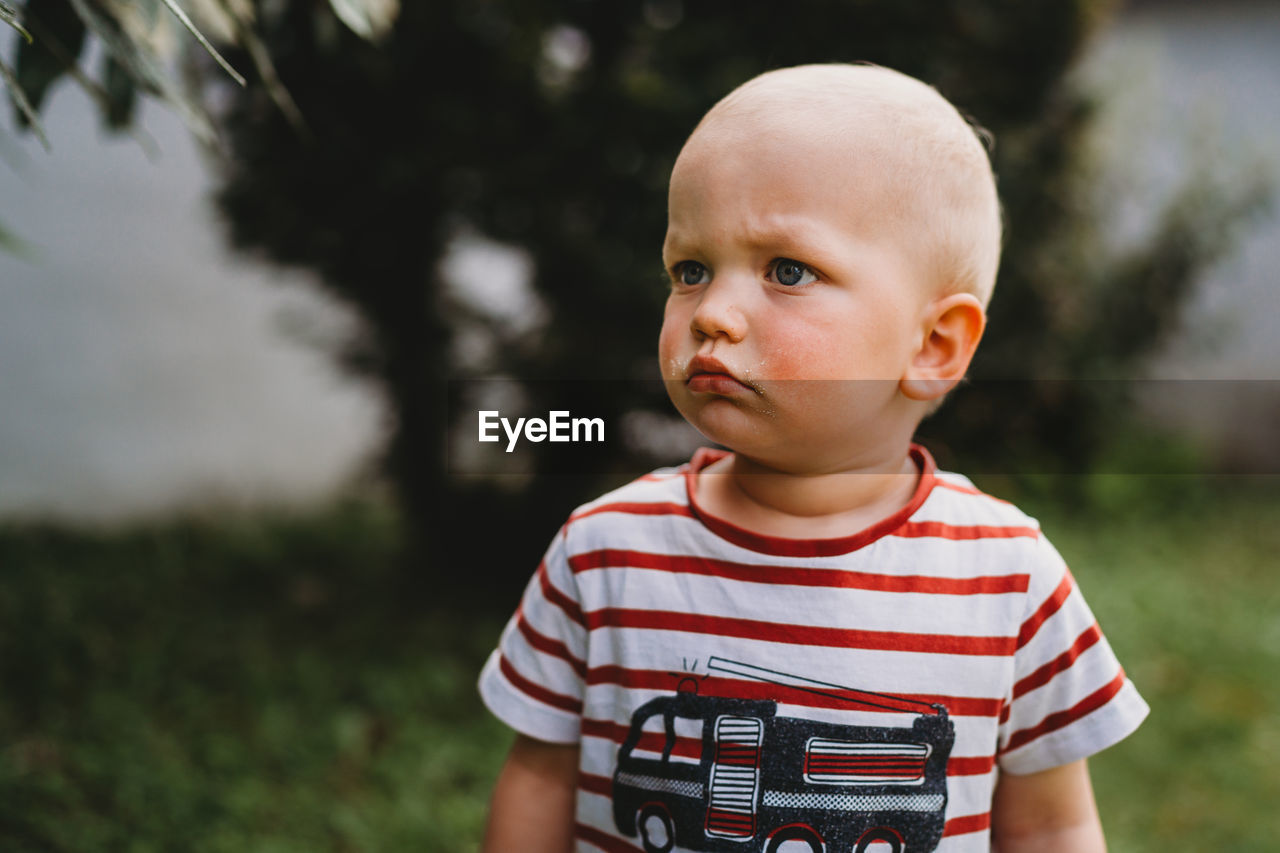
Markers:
point(248, 559)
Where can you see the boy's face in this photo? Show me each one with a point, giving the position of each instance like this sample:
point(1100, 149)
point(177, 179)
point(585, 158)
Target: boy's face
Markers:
point(795, 303)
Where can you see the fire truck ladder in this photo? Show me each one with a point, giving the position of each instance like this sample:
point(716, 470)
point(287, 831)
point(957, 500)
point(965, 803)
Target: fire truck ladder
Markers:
point(735, 776)
point(819, 688)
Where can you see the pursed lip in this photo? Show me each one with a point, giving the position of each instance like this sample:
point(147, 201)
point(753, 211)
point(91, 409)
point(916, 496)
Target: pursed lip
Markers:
point(708, 374)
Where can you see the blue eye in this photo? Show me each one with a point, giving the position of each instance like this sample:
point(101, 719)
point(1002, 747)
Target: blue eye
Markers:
point(692, 272)
point(791, 273)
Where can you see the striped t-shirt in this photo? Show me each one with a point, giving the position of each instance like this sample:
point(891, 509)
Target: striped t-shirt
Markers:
point(734, 691)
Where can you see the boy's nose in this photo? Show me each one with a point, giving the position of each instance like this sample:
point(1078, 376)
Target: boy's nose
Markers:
point(719, 314)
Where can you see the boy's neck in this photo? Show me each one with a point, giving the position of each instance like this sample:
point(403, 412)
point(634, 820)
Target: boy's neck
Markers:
point(807, 506)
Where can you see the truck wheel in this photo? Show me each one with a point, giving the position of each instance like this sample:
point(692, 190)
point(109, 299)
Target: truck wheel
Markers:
point(879, 841)
point(656, 832)
point(796, 835)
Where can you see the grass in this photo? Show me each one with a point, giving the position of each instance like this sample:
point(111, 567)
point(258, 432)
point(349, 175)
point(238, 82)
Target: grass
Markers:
point(1183, 582)
point(262, 686)
point(270, 684)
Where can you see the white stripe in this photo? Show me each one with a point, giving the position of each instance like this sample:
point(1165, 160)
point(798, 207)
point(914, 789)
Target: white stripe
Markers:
point(657, 783)
point(853, 802)
point(912, 672)
point(961, 615)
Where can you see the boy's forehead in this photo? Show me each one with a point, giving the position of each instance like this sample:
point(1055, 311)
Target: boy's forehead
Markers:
point(823, 101)
point(845, 137)
point(795, 159)
point(792, 120)
point(785, 167)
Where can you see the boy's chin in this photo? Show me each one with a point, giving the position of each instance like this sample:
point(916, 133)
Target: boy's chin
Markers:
point(763, 450)
point(722, 421)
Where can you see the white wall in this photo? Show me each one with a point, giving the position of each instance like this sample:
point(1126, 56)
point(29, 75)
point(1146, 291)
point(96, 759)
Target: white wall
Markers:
point(141, 366)
point(1193, 86)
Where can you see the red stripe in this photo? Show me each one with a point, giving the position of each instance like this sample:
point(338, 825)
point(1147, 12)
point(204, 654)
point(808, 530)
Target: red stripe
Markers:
point(636, 508)
point(808, 635)
point(978, 765)
point(1042, 676)
point(897, 761)
point(970, 490)
point(1062, 719)
point(730, 753)
point(798, 575)
point(1045, 610)
point(655, 477)
point(605, 729)
point(607, 843)
point(558, 598)
point(685, 747)
point(547, 645)
point(537, 691)
point(642, 679)
point(967, 824)
point(956, 487)
point(942, 530)
point(900, 770)
point(905, 769)
point(809, 547)
point(594, 784)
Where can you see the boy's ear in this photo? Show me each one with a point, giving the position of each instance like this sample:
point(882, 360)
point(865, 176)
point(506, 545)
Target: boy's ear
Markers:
point(953, 327)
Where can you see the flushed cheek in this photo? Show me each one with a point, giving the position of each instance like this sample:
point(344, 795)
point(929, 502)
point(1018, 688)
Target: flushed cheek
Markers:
point(832, 345)
point(800, 351)
point(671, 356)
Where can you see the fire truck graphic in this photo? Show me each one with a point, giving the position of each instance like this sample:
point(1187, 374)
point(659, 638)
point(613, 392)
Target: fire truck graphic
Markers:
point(762, 780)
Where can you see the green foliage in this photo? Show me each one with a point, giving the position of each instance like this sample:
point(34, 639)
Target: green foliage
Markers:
point(10, 16)
point(1181, 580)
point(122, 94)
point(133, 35)
point(59, 34)
point(263, 685)
point(203, 42)
point(42, 61)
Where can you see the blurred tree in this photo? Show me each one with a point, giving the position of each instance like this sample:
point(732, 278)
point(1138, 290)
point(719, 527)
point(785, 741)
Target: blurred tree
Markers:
point(140, 53)
point(552, 125)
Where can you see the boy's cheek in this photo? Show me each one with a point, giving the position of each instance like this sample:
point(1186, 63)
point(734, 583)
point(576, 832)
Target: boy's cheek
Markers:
point(799, 354)
point(671, 342)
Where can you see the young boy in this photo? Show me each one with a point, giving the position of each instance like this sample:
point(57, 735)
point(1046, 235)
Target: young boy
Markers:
point(816, 641)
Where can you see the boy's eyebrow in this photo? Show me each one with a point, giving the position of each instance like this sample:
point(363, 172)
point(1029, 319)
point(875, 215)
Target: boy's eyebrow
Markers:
point(801, 238)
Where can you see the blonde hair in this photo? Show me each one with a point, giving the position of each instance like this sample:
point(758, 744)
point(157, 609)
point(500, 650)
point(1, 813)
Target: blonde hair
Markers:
point(944, 187)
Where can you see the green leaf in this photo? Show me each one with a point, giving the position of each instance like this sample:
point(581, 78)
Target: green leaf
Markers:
point(121, 94)
point(15, 245)
point(204, 42)
point(10, 16)
point(24, 106)
point(257, 50)
point(369, 19)
point(238, 27)
point(59, 39)
point(145, 69)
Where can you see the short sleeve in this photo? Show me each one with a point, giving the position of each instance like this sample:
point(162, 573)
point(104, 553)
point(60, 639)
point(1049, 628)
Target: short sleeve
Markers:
point(534, 680)
point(1070, 697)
